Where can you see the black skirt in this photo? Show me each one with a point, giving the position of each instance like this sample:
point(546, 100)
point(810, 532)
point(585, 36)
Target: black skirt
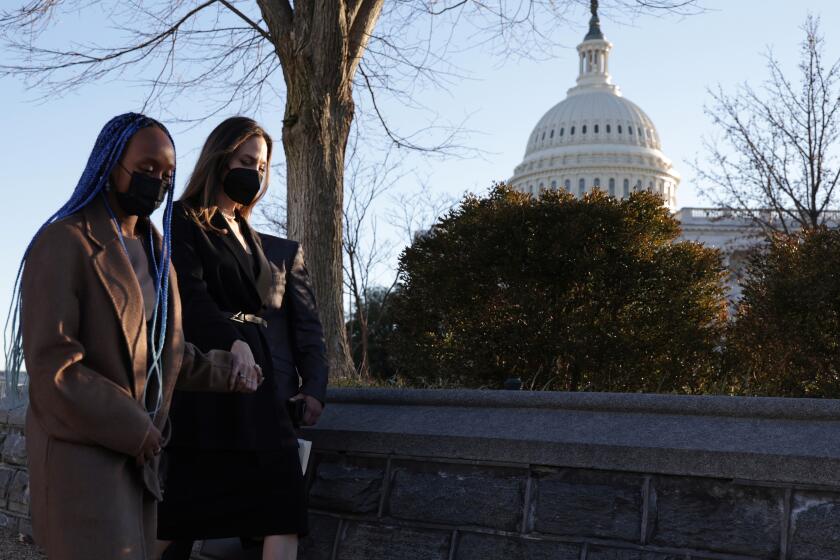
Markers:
point(211, 493)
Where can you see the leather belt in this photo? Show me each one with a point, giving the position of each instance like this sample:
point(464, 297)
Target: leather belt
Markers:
point(241, 317)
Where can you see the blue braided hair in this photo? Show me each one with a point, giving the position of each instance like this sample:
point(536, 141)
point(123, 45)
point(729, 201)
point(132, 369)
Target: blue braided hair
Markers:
point(107, 151)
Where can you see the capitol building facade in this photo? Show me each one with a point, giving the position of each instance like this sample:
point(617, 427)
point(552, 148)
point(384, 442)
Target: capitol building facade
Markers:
point(598, 139)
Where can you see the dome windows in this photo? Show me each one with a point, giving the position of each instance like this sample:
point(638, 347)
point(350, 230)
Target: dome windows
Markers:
point(572, 131)
point(554, 185)
point(552, 134)
point(567, 184)
point(619, 129)
point(597, 183)
point(543, 136)
point(612, 186)
point(608, 129)
point(562, 130)
point(581, 187)
point(630, 130)
point(583, 129)
point(595, 129)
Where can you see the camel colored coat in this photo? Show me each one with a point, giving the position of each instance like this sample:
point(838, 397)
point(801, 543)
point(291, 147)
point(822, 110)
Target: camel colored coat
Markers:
point(84, 335)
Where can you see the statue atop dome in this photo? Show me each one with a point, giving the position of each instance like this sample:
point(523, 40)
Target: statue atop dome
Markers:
point(594, 23)
point(594, 54)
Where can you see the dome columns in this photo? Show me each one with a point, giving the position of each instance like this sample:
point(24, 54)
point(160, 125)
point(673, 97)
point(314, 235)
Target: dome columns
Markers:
point(593, 67)
point(594, 59)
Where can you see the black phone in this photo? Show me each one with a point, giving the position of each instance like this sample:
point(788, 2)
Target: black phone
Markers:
point(297, 410)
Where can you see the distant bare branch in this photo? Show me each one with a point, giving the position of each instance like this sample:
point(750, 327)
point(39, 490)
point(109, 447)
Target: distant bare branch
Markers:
point(777, 160)
point(179, 45)
point(247, 20)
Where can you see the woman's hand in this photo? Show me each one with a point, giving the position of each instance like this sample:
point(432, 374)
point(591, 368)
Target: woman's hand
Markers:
point(313, 409)
point(151, 447)
point(241, 349)
point(246, 373)
point(244, 378)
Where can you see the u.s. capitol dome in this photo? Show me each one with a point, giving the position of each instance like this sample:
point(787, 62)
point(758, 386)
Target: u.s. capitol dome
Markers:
point(596, 138)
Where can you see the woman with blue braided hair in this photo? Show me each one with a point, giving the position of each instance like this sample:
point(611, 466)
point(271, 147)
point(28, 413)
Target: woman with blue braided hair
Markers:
point(100, 332)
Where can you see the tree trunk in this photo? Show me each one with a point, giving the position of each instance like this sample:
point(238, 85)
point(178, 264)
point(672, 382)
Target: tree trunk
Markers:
point(315, 131)
point(320, 44)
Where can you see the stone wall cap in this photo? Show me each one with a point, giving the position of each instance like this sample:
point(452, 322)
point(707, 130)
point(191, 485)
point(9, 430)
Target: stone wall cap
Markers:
point(791, 441)
point(688, 405)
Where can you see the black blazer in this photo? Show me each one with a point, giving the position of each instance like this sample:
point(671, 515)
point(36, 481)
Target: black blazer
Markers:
point(218, 278)
point(295, 336)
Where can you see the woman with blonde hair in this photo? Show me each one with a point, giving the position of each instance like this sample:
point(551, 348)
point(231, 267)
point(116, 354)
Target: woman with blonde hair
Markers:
point(233, 460)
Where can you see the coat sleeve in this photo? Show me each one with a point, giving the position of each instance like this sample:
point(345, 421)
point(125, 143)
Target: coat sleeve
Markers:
point(71, 400)
point(199, 311)
point(307, 334)
point(204, 371)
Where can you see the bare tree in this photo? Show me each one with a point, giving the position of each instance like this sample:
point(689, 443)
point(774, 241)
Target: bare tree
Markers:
point(235, 50)
point(413, 213)
point(370, 257)
point(776, 161)
point(364, 250)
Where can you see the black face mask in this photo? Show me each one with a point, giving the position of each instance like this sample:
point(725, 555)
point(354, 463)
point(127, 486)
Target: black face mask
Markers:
point(145, 194)
point(242, 185)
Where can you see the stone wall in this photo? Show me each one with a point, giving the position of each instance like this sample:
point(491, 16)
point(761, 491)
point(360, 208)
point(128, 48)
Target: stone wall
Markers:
point(14, 480)
point(378, 507)
point(461, 475)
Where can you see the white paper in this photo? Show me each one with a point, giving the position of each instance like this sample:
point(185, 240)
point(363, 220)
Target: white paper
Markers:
point(304, 447)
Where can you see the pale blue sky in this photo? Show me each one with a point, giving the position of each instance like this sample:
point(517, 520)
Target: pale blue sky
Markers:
point(664, 64)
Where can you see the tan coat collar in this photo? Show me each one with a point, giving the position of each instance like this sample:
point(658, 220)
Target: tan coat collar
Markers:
point(117, 276)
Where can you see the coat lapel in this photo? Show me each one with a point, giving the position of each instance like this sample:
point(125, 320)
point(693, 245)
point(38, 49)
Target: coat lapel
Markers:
point(261, 283)
point(117, 276)
point(232, 245)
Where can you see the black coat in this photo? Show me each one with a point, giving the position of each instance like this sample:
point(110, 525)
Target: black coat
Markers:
point(218, 278)
point(294, 333)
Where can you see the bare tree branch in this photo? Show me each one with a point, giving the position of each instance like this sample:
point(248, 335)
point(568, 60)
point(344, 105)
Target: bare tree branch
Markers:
point(247, 20)
point(78, 58)
point(778, 164)
point(183, 50)
point(362, 21)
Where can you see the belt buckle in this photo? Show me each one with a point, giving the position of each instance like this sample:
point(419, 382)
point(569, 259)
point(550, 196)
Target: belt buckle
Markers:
point(238, 317)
